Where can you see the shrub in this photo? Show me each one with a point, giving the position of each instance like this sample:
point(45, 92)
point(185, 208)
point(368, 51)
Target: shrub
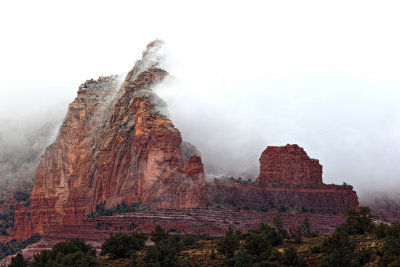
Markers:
point(316, 249)
point(120, 208)
point(243, 260)
point(74, 252)
point(338, 250)
point(122, 245)
point(188, 240)
point(12, 247)
point(259, 245)
point(358, 222)
point(290, 258)
point(283, 209)
point(159, 235)
point(306, 226)
point(391, 247)
point(212, 254)
point(161, 254)
point(18, 261)
point(133, 259)
point(281, 231)
point(380, 230)
point(229, 244)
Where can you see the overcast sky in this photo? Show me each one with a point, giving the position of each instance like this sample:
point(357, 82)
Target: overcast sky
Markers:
point(323, 74)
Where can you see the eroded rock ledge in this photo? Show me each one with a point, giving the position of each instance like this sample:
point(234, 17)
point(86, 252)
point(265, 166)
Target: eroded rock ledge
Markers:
point(116, 144)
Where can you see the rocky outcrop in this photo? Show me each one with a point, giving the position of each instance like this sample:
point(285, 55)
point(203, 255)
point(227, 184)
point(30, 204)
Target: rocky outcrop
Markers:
point(117, 145)
point(114, 145)
point(334, 199)
point(289, 164)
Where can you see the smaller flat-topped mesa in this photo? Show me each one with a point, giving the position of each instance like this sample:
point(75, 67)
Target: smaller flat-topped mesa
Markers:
point(289, 164)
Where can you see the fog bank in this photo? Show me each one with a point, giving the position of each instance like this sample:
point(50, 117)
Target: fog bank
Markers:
point(324, 75)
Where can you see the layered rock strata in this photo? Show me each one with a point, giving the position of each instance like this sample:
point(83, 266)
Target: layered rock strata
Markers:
point(289, 164)
point(114, 145)
point(117, 145)
point(188, 221)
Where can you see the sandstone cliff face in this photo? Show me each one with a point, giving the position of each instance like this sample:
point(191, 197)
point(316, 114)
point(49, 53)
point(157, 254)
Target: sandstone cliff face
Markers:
point(289, 164)
point(114, 145)
point(335, 199)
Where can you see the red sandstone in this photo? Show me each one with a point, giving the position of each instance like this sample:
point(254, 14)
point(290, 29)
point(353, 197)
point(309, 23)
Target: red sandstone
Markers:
point(289, 164)
point(116, 144)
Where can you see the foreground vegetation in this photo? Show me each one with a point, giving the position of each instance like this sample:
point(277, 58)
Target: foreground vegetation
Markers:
point(357, 242)
point(12, 247)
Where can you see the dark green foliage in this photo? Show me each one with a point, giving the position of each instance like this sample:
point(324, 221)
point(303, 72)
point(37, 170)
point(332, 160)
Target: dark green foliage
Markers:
point(78, 259)
point(41, 259)
point(160, 255)
point(363, 256)
point(282, 233)
point(159, 235)
point(276, 256)
point(74, 252)
point(290, 257)
point(122, 245)
point(307, 231)
point(229, 244)
point(264, 208)
point(271, 233)
point(393, 230)
point(298, 235)
point(380, 230)
point(391, 247)
point(133, 259)
point(120, 208)
point(12, 247)
point(188, 240)
point(338, 250)
point(212, 254)
point(6, 221)
point(256, 249)
point(175, 241)
point(283, 208)
point(18, 261)
point(358, 222)
point(167, 247)
point(259, 243)
point(132, 226)
point(230, 202)
point(243, 260)
point(316, 249)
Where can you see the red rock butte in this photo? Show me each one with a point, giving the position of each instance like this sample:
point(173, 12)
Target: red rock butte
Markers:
point(116, 144)
point(289, 164)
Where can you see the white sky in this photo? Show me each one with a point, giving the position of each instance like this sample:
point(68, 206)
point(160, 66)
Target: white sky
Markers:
point(323, 74)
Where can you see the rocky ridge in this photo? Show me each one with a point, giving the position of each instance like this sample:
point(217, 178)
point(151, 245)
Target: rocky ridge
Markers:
point(117, 145)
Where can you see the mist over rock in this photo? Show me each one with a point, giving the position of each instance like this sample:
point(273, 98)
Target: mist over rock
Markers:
point(114, 145)
point(117, 144)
